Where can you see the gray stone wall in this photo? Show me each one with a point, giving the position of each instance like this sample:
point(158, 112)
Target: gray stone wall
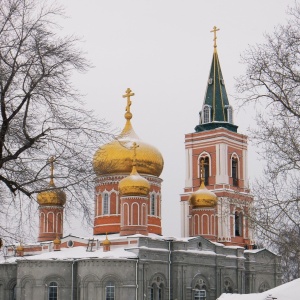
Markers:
point(176, 269)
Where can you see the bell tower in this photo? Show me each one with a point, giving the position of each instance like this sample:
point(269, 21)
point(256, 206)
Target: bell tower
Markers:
point(221, 152)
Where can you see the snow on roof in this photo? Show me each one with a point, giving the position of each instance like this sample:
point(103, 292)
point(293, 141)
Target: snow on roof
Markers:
point(76, 253)
point(287, 291)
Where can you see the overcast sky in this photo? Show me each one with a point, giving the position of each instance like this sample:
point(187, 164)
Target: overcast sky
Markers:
point(162, 50)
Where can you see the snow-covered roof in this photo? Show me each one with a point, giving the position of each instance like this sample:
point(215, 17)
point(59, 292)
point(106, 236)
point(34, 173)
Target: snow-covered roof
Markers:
point(287, 291)
point(76, 253)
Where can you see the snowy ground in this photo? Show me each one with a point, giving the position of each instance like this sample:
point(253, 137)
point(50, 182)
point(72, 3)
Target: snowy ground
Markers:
point(288, 291)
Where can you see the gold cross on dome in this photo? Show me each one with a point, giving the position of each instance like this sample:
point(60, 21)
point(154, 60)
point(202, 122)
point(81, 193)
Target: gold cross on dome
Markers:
point(134, 146)
point(128, 95)
point(51, 161)
point(215, 29)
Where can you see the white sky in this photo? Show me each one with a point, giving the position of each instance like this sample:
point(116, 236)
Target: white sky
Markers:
point(162, 50)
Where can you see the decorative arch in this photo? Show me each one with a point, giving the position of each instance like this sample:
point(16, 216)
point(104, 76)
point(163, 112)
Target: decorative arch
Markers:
point(197, 226)
point(27, 284)
point(144, 214)
point(200, 287)
point(213, 224)
point(207, 166)
point(54, 277)
point(135, 214)
point(42, 222)
point(110, 284)
point(228, 286)
point(157, 287)
point(264, 286)
point(50, 221)
point(205, 224)
point(89, 285)
point(125, 214)
point(113, 203)
point(59, 223)
point(11, 287)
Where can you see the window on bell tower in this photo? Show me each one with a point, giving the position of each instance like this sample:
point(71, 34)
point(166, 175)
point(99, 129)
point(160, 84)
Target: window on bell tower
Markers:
point(206, 114)
point(206, 166)
point(238, 223)
point(234, 171)
point(229, 114)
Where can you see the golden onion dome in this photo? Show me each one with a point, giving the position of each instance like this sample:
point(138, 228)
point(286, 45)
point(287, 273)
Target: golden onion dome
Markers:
point(53, 195)
point(203, 197)
point(20, 248)
point(57, 241)
point(106, 242)
point(134, 185)
point(115, 157)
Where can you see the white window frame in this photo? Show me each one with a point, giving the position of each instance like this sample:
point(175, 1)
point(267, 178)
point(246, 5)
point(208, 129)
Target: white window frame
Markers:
point(152, 204)
point(105, 204)
point(110, 290)
point(206, 114)
point(53, 285)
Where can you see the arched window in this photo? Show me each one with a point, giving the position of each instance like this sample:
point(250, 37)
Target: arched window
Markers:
point(206, 113)
point(234, 171)
point(228, 286)
point(52, 291)
point(157, 288)
point(200, 294)
point(152, 205)
point(200, 290)
point(263, 287)
point(14, 293)
point(105, 204)
point(229, 114)
point(156, 292)
point(110, 290)
point(238, 218)
point(205, 160)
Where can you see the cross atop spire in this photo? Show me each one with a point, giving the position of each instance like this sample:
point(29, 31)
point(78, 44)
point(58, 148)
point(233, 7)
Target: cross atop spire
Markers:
point(215, 29)
point(128, 94)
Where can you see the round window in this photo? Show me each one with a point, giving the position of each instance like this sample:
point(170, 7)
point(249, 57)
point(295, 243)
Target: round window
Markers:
point(70, 244)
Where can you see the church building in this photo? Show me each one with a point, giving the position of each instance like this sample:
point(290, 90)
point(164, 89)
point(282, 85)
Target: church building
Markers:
point(128, 257)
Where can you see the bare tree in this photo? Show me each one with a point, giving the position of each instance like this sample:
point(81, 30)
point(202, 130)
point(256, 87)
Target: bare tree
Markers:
point(41, 112)
point(272, 81)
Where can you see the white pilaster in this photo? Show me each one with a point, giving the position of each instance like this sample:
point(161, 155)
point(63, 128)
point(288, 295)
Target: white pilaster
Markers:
point(184, 218)
point(188, 168)
point(222, 176)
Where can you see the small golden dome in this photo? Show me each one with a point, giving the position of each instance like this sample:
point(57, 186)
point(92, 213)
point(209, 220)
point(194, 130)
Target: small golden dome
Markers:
point(106, 242)
point(203, 197)
point(53, 196)
point(115, 157)
point(57, 241)
point(134, 185)
point(20, 248)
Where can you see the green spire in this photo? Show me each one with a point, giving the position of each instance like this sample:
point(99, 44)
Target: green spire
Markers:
point(216, 111)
